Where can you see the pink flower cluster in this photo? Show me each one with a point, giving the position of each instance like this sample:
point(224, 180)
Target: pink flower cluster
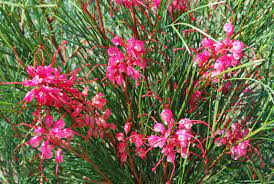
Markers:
point(231, 136)
point(93, 114)
point(219, 56)
point(170, 137)
point(131, 3)
point(128, 3)
point(178, 5)
point(120, 65)
point(55, 89)
point(99, 119)
point(173, 138)
point(51, 88)
point(50, 134)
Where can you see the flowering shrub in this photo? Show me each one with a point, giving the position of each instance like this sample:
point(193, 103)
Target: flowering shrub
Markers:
point(179, 96)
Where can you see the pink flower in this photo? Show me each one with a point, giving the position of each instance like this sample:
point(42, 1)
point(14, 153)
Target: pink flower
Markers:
point(237, 152)
point(135, 47)
point(120, 136)
point(113, 51)
point(229, 29)
point(166, 116)
point(39, 131)
point(207, 43)
point(184, 135)
point(219, 66)
point(202, 58)
point(156, 3)
point(118, 64)
point(235, 133)
point(68, 133)
point(117, 41)
point(237, 56)
point(51, 87)
point(106, 114)
point(156, 141)
point(137, 139)
point(237, 47)
point(31, 71)
point(98, 101)
point(46, 150)
point(119, 79)
point(185, 124)
point(140, 152)
point(244, 144)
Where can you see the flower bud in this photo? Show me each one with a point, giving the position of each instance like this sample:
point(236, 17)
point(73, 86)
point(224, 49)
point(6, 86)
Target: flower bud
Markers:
point(127, 127)
point(59, 157)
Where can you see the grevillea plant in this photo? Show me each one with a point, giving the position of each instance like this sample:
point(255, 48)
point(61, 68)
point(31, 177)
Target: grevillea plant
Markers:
point(136, 91)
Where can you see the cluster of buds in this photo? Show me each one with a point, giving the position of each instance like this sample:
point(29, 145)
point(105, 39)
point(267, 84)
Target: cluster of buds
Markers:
point(173, 138)
point(137, 139)
point(120, 65)
point(177, 6)
point(232, 136)
point(94, 115)
point(131, 3)
point(127, 3)
point(194, 100)
point(219, 56)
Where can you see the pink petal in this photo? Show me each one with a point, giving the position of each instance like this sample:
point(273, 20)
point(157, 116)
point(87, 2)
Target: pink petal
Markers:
point(49, 121)
point(59, 124)
point(123, 157)
point(158, 127)
point(121, 147)
point(120, 136)
point(166, 115)
point(171, 157)
point(46, 150)
point(29, 96)
point(229, 29)
point(39, 131)
point(35, 141)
